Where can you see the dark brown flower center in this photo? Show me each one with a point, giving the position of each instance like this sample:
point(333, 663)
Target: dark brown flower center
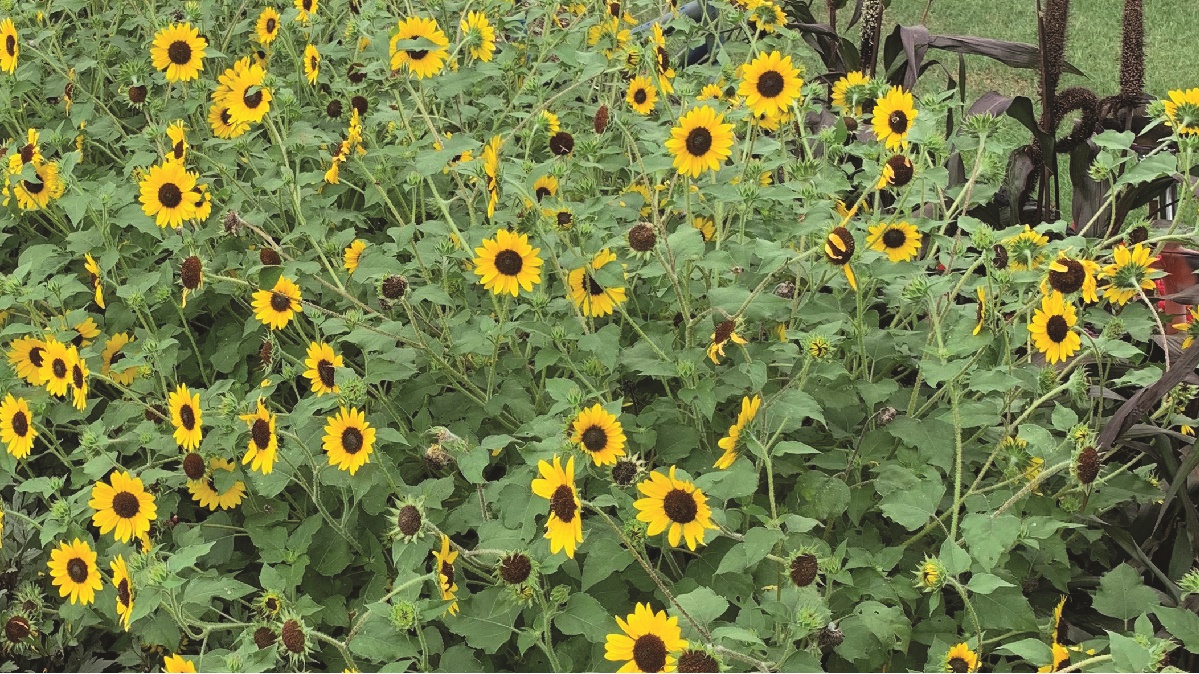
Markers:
point(190, 272)
point(663, 59)
point(447, 574)
point(177, 150)
point(312, 62)
point(562, 503)
point(417, 54)
point(264, 637)
point(27, 153)
point(624, 472)
point(125, 505)
point(408, 521)
point(509, 262)
point(180, 52)
point(252, 100)
point(271, 24)
point(326, 372)
point(770, 84)
point(193, 466)
point(639, 96)
point(680, 506)
point(958, 665)
point(697, 661)
point(698, 142)
point(1068, 281)
point(307, 5)
point(562, 143)
point(187, 416)
point(77, 376)
point(280, 302)
point(169, 195)
point(515, 568)
point(77, 569)
point(898, 122)
point(649, 653)
point(894, 238)
point(723, 331)
point(20, 424)
point(595, 439)
point(351, 440)
point(34, 186)
point(123, 594)
point(261, 433)
point(10, 44)
point(59, 367)
point(137, 93)
point(564, 218)
point(225, 118)
point(593, 288)
point(35, 356)
point(1057, 329)
point(542, 192)
point(840, 246)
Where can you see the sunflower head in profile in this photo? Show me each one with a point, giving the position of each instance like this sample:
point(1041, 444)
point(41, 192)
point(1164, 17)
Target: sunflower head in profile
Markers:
point(168, 195)
point(73, 570)
point(266, 29)
point(479, 36)
point(1025, 250)
point(244, 95)
point(730, 442)
point(589, 295)
point(507, 263)
point(1061, 659)
point(222, 123)
point(1052, 329)
point(725, 332)
point(93, 270)
point(597, 432)
point(216, 490)
point(850, 93)
point(178, 664)
point(322, 363)
point(112, 355)
point(1189, 327)
point(185, 417)
point(352, 254)
point(26, 355)
point(312, 64)
point(36, 193)
point(178, 51)
point(838, 249)
point(349, 440)
point(706, 227)
point(16, 426)
point(1131, 272)
point(930, 574)
point(1181, 109)
point(122, 582)
point(79, 383)
point(648, 642)
point(700, 141)
point(57, 361)
point(770, 84)
point(893, 117)
point(11, 48)
point(564, 528)
point(641, 95)
point(960, 659)
point(675, 506)
point(899, 240)
point(307, 10)
point(264, 442)
point(545, 186)
point(443, 560)
point(424, 52)
point(275, 307)
point(981, 309)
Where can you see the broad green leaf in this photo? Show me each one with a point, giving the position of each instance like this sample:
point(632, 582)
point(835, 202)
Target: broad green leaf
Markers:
point(1123, 595)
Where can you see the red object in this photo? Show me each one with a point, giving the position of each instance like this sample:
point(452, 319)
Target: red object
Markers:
point(1175, 261)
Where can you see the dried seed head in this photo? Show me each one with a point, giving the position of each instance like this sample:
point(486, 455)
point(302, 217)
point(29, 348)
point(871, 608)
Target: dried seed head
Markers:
point(409, 520)
point(601, 119)
point(830, 636)
point(1087, 465)
point(269, 257)
point(697, 661)
point(642, 237)
point(394, 287)
point(1138, 235)
point(193, 466)
point(437, 459)
point(233, 223)
point(293, 636)
point(803, 569)
point(266, 352)
point(137, 94)
point(333, 109)
point(515, 568)
point(359, 103)
point(355, 73)
point(785, 290)
point(562, 143)
point(191, 272)
point(265, 637)
point(16, 629)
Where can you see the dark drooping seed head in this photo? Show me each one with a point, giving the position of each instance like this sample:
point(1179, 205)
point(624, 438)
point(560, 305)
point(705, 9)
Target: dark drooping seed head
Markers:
point(697, 661)
point(649, 653)
point(269, 257)
point(509, 262)
point(1057, 329)
point(515, 568)
point(193, 466)
point(642, 237)
point(840, 246)
point(394, 287)
point(562, 143)
point(723, 331)
point(408, 521)
point(803, 569)
point(351, 440)
point(594, 438)
point(1069, 281)
point(600, 121)
point(624, 472)
point(562, 503)
point(190, 273)
point(999, 256)
point(333, 109)
point(77, 569)
point(1088, 465)
point(360, 104)
point(293, 636)
point(179, 52)
point(680, 506)
point(137, 94)
point(125, 505)
point(264, 637)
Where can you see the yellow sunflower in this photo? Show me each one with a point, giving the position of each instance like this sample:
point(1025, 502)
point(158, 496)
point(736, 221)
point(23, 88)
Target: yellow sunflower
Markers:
point(893, 117)
point(725, 332)
point(591, 298)
point(178, 51)
point(1025, 248)
point(175, 663)
point(307, 9)
point(353, 254)
point(112, 355)
point(1069, 275)
point(649, 643)
point(706, 227)
point(267, 27)
point(245, 97)
point(545, 186)
point(838, 249)
point(86, 330)
point(93, 269)
point(770, 84)
point(662, 60)
point(598, 432)
point(204, 491)
point(26, 355)
point(222, 122)
point(961, 659)
point(749, 410)
point(491, 168)
point(177, 135)
point(445, 573)
point(33, 195)
point(264, 443)
point(641, 95)
point(700, 142)
point(122, 505)
point(55, 372)
point(850, 92)
point(122, 582)
point(1061, 659)
point(1052, 329)
point(1129, 272)
point(1182, 111)
point(422, 62)
point(12, 49)
point(478, 35)
point(16, 426)
point(981, 309)
point(564, 528)
point(275, 307)
point(899, 240)
point(1189, 327)
point(349, 440)
point(186, 417)
point(674, 506)
point(73, 568)
point(167, 194)
point(765, 16)
point(322, 363)
point(508, 263)
point(312, 64)
point(79, 385)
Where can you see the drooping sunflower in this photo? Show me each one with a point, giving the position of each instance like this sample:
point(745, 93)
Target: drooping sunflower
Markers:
point(178, 664)
point(545, 186)
point(508, 263)
point(706, 227)
point(765, 16)
point(186, 417)
point(649, 643)
point(112, 355)
point(73, 568)
point(591, 298)
point(422, 62)
point(1052, 328)
point(12, 49)
point(16, 426)
point(178, 51)
point(725, 332)
point(349, 440)
point(641, 95)
point(850, 92)
point(55, 372)
point(981, 309)
point(36, 194)
point(177, 135)
point(1182, 111)
point(893, 117)
point(222, 123)
point(312, 64)
point(205, 492)
point(85, 331)
point(479, 36)
point(700, 142)
point(838, 249)
point(769, 83)
point(1129, 273)
point(899, 240)
point(1025, 249)
point(122, 506)
point(93, 269)
point(729, 443)
point(564, 528)
point(79, 385)
point(353, 254)
point(675, 506)
point(264, 442)
point(896, 172)
point(1189, 327)
point(491, 169)
point(1061, 659)
point(167, 194)
point(245, 97)
point(267, 27)
point(322, 363)
point(662, 59)
point(1058, 635)
point(307, 9)
point(598, 432)
point(275, 307)
point(960, 659)
point(445, 574)
point(26, 355)
point(123, 583)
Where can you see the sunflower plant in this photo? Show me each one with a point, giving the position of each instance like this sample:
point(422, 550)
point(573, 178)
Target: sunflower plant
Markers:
point(490, 336)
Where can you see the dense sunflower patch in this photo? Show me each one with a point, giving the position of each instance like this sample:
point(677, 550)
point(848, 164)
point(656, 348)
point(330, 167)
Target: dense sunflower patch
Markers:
point(513, 336)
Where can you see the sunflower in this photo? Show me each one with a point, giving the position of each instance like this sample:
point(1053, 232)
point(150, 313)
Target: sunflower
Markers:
point(37, 194)
point(8, 55)
point(1182, 111)
point(16, 426)
point(79, 385)
point(712, 91)
point(275, 307)
point(649, 642)
point(700, 142)
point(1061, 659)
point(322, 363)
point(838, 249)
point(204, 491)
point(598, 432)
point(112, 355)
point(123, 583)
point(899, 240)
point(353, 253)
point(55, 372)
point(545, 186)
point(564, 528)
point(349, 440)
point(897, 172)
point(1069, 275)
point(267, 27)
point(1024, 249)
point(725, 332)
point(167, 194)
point(245, 97)
point(421, 62)
point(123, 505)
point(1051, 329)
point(264, 443)
point(491, 168)
point(765, 16)
point(1129, 273)
point(29, 152)
point(850, 92)
point(73, 568)
point(981, 309)
point(893, 117)
point(662, 59)
point(1059, 628)
point(93, 270)
point(445, 573)
point(508, 263)
point(85, 331)
point(641, 95)
point(176, 663)
point(749, 410)
point(591, 298)
point(1189, 327)
point(178, 51)
point(177, 134)
point(186, 417)
point(26, 355)
point(769, 83)
point(706, 227)
point(312, 63)
point(674, 506)
point(479, 35)
point(961, 659)
point(222, 123)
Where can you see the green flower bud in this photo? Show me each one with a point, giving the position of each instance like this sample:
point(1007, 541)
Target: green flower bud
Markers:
point(560, 594)
point(403, 616)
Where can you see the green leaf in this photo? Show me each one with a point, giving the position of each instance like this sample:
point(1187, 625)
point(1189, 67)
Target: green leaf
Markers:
point(703, 605)
point(985, 583)
point(1034, 651)
point(1123, 595)
point(605, 557)
point(1004, 609)
point(1128, 655)
point(586, 616)
point(954, 558)
point(1182, 625)
point(485, 619)
point(988, 538)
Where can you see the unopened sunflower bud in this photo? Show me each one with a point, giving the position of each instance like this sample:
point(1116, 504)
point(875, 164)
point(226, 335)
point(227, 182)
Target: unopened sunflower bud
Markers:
point(1190, 582)
point(1114, 328)
point(559, 595)
point(916, 290)
point(403, 616)
point(17, 629)
point(685, 368)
